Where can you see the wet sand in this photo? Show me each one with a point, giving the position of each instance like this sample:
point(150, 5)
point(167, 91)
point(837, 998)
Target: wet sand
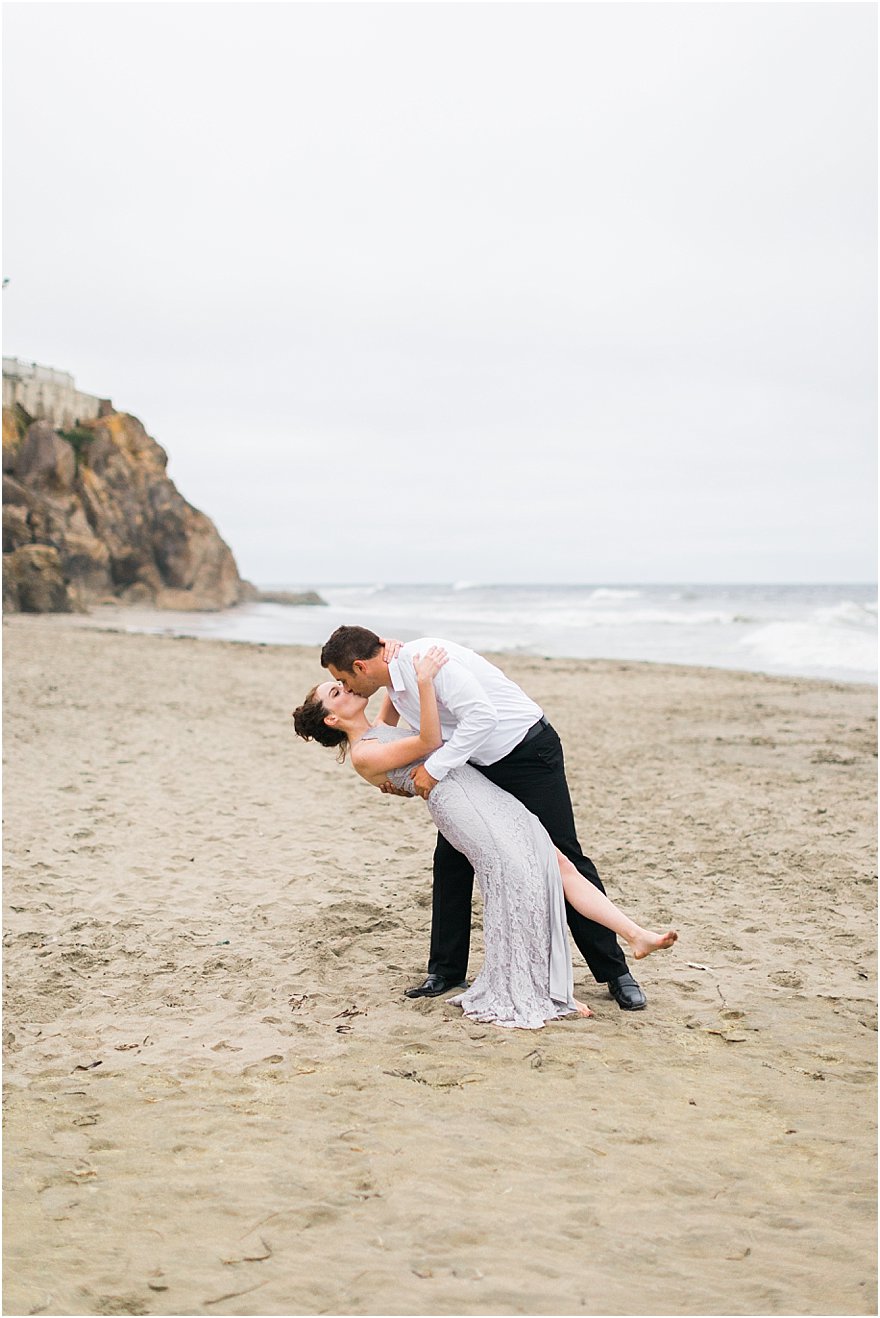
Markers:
point(218, 1100)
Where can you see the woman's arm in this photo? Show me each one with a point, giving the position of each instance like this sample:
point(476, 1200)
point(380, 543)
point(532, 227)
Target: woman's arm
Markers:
point(429, 715)
point(372, 759)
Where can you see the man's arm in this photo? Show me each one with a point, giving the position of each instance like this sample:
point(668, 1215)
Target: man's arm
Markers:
point(388, 714)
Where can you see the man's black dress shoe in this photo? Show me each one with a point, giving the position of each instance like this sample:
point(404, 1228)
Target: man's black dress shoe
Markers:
point(626, 993)
point(433, 986)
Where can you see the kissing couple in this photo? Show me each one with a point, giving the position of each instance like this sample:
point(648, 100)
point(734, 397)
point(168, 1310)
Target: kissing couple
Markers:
point(490, 767)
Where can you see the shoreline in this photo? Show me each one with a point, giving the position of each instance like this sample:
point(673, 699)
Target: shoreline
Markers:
point(212, 1074)
point(89, 622)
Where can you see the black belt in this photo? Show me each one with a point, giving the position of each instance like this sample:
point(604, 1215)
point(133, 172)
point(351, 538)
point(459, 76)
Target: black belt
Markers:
point(534, 730)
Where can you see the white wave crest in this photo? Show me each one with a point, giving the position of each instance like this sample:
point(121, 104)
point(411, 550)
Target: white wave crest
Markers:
point(808, 645)
point(655, 617)
point(849, 614)
point(608, 593)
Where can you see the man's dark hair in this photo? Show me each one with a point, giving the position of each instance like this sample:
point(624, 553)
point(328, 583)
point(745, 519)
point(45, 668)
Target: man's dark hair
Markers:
point(347, 644)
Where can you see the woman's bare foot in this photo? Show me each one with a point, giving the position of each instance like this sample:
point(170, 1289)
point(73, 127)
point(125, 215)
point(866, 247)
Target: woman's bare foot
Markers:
point(646, 942)
point(582, 1008)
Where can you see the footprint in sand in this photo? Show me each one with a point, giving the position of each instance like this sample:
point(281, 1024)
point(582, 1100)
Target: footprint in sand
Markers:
point(786, 979)
point(118, 1304)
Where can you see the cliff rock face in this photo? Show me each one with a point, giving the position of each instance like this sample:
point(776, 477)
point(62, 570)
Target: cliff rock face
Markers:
point(90, 516)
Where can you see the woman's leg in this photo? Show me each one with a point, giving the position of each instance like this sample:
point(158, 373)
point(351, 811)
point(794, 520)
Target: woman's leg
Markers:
point(535, 775)
point(592, 903)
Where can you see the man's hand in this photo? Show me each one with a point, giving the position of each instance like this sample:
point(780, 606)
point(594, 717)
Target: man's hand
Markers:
point(390, 790)
point(422, 781)
point(392, 648)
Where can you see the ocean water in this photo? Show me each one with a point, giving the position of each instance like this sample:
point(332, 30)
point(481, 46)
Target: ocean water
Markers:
point(826, 631)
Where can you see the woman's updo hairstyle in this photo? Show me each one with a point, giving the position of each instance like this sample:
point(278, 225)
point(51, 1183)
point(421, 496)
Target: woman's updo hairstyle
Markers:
point(308, 722)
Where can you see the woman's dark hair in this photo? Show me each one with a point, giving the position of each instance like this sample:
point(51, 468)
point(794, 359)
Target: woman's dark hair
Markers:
point(347, 644)
point(308, 722)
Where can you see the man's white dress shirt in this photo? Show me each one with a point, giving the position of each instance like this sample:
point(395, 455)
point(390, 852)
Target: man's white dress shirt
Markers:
point(483, 715)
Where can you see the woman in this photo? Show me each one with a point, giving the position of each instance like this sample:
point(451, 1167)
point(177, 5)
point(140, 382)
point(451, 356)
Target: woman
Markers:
point(526, 979)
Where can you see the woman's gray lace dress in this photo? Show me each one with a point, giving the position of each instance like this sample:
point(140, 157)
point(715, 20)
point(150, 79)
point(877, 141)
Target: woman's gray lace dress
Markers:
point(526, 977)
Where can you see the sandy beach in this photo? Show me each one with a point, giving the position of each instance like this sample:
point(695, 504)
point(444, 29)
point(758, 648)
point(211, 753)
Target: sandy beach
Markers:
point(218, 1100)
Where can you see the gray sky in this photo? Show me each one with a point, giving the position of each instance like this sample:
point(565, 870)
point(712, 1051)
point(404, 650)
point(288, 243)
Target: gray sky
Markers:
point(502, 292)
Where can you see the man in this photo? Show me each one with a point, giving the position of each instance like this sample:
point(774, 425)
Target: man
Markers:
point(487, 721)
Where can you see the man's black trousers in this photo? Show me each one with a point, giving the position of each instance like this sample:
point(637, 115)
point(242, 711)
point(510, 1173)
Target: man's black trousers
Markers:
point(535, 774)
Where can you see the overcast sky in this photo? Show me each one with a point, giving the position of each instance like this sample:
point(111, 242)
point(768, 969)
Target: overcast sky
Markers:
point(502, 292)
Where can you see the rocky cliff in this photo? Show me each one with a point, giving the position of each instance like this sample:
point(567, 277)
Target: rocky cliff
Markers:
point(90, 516)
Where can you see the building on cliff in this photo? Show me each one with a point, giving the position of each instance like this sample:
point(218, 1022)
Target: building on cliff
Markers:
point(49, 395)
point(91, 516)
